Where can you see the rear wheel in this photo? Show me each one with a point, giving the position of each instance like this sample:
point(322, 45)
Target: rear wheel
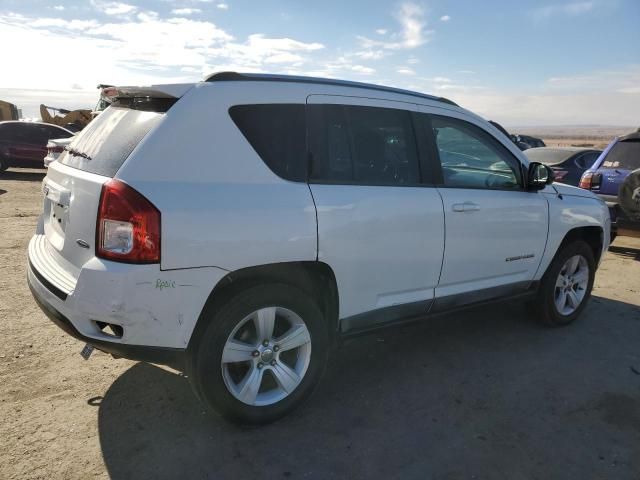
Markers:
point(261, 354)
point(566, 286)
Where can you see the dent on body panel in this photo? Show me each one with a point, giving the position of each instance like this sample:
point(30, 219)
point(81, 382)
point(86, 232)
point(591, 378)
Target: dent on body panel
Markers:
point(158, 308)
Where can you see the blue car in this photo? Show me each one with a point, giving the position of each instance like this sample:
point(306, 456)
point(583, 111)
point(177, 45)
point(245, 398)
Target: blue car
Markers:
point(605, 177)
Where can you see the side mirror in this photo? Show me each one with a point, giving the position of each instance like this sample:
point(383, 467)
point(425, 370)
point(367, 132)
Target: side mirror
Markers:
point(539, 176)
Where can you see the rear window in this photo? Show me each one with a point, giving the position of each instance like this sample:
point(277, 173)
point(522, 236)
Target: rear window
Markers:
point(277, 134)
point(104, 144)
point(624, 155)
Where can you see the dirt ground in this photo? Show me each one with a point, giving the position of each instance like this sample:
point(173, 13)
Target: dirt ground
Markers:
point(482, 394)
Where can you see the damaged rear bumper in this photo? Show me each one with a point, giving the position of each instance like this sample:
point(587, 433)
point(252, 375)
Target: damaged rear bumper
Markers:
point(172, 357)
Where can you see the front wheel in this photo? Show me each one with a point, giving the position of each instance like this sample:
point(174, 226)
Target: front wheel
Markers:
point(261, 354)
point(566, 286)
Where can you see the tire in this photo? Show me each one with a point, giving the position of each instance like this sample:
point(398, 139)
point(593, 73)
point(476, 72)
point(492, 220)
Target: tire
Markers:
point(551, 287)
point(218, 379)
point(629, 195)
point(4, 164)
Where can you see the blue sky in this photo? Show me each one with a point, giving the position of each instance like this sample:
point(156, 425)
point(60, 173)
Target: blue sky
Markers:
point(521, 63)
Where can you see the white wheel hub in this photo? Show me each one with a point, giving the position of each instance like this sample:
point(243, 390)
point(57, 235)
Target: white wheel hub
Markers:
point(571, 285)
point(266, 356)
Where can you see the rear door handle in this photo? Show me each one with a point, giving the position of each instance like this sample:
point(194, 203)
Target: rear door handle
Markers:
point(465, 207)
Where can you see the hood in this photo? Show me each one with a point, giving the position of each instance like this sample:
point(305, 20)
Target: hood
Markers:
point(569, 190)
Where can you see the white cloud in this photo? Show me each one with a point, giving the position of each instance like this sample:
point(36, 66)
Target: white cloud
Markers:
point(143, 49)
point(114, 8)
point(381, 31)
point(410, 16)
point(64, 24)
point(362, 69)
point(570, 9)
point(59, 8)
point(413, 61)
point(284, 57)
point(445, 18)
point(370, 54)
point(185, 11)
point(223, 6)
point(406, 71)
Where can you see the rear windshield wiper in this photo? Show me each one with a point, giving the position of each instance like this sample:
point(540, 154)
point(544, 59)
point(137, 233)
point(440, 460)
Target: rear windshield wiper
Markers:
point(77, 153)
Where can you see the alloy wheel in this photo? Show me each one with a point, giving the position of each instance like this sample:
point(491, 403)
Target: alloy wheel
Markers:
point(266, 356)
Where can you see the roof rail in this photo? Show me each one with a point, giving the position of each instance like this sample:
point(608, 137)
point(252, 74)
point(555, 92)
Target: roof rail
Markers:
point(265, 77)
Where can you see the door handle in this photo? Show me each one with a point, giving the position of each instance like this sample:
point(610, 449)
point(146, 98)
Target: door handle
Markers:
point(465, 207)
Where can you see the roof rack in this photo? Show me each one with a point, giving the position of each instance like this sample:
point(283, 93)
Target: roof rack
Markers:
point(265, 77)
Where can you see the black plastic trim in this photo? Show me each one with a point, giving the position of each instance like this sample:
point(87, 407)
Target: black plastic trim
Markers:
point(385, 315)
point(417, 311)
point(47, 284)
point(450, 302)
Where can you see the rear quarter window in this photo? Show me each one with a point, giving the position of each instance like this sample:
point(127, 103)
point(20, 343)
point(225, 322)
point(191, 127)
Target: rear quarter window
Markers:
point(277, 134)
point(104, 144)
point(624, 155)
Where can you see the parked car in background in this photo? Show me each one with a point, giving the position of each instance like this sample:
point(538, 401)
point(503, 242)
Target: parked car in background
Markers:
point(54, 148)
point(316, 208)
point(568, 163)
point(24, 144)
point(607, 174)
point(523, 142)
point(528, 140)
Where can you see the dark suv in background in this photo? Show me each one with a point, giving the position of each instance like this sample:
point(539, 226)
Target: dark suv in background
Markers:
point(24, 144)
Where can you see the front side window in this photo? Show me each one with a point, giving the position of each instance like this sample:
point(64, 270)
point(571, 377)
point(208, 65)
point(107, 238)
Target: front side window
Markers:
point(471, 158)
point(361, 145)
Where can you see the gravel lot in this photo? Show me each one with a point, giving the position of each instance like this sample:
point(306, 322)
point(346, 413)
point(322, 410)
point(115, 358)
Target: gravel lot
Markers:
point(483, 394)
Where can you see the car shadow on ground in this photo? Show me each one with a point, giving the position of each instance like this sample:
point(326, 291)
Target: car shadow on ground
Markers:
point(628, 252)
point(27, 175)
point(484, 393)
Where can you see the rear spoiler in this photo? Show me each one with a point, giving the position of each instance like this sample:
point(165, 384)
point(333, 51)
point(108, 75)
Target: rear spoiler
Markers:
point(155, 98)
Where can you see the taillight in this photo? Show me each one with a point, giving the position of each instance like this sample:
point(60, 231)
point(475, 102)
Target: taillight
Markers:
point(585, 180)
point(128, 227)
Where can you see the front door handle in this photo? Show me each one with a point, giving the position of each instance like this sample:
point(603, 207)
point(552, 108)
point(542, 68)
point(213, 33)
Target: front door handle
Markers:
point(465, 207)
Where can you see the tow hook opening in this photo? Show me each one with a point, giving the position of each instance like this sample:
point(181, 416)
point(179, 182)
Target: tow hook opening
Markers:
point(110, 329)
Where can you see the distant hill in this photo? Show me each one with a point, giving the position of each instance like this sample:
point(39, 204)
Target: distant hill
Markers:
point(599, 132)
point(588, 136)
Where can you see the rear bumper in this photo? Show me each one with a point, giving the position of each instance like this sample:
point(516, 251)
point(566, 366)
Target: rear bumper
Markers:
point(148, 306)
point(167, 356)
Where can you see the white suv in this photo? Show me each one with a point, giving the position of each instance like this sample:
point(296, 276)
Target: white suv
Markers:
point(239, 226)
